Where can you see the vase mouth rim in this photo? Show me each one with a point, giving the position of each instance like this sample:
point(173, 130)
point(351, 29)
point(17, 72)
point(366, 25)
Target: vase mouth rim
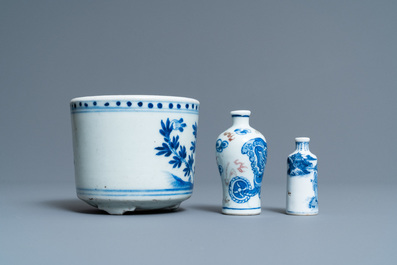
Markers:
point(302, 139)
point(240, 113)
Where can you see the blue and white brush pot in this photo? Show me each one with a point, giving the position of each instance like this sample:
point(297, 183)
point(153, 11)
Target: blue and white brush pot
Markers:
point(302, 197)
point(134, 152)
point(241, 153)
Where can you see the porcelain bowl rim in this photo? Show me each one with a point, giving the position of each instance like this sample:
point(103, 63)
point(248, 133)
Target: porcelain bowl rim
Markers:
point(136, 97)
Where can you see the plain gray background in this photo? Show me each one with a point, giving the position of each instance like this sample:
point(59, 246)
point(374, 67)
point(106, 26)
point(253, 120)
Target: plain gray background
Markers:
point(322, 69)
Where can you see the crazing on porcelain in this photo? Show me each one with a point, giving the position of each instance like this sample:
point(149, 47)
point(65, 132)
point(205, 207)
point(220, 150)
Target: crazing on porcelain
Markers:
point(241, 154)
point(302, 194)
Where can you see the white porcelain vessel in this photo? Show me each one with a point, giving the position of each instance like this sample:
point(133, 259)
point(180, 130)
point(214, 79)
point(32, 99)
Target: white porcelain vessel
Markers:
point(302, 198)
point(241, 153)
point(134, 152)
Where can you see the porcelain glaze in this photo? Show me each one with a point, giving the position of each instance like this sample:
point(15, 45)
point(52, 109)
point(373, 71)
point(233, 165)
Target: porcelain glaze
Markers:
point(134, 152)
point(241, 154)
point(302, 197)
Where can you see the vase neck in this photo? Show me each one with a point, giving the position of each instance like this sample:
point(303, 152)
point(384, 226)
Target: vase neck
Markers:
point(240, 121)
point(241, 117)
point(302, 146)
point(302, 143)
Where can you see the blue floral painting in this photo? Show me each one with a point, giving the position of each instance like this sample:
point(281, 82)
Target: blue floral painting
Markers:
point(178, 153)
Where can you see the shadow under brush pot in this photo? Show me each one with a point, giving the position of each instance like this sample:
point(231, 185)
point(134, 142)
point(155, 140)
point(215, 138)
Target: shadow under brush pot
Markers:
point(241, 153)
point(134, 152)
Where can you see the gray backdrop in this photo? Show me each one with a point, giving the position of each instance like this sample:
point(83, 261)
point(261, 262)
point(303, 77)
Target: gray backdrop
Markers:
point(322, 69)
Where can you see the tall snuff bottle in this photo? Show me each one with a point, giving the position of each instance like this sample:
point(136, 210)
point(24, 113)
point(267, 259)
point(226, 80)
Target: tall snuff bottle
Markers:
point(241, 153)
point(302, 196)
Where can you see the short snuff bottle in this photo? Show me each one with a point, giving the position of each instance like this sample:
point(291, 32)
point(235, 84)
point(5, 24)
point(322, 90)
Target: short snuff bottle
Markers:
point(302, 197)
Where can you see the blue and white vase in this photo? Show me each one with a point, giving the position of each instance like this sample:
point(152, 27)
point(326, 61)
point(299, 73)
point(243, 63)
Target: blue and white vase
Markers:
point(302, 198)
point(241, 153)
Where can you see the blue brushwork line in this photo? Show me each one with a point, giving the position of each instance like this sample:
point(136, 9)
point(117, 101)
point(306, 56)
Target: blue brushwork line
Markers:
point(119, 107)
point(229, 208)
point(134, 190)
point(301, 212)
point(125, 195)
point(244, 116)
point(132, 110)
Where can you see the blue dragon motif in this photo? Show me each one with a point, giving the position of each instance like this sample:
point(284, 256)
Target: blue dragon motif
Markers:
point(240, 189)
point(172, 146)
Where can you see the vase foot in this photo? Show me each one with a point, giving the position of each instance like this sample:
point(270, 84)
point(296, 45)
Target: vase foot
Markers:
point(173, 207)
point(115, 210)
point(117, 206)
point(301, 213)
point(241, 211)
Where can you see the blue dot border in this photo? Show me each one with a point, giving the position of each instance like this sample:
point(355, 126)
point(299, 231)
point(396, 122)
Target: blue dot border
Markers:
point(131, 105)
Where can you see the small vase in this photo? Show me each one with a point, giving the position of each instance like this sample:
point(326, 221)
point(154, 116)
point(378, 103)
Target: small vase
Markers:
point(302, 196)
point(241, 153)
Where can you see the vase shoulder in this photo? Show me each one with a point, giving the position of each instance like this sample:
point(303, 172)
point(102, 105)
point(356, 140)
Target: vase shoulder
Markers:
point(305, 153)
point(241, 132)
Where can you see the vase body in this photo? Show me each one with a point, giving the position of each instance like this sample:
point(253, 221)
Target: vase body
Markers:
point(302, 196)
point(241, 153)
